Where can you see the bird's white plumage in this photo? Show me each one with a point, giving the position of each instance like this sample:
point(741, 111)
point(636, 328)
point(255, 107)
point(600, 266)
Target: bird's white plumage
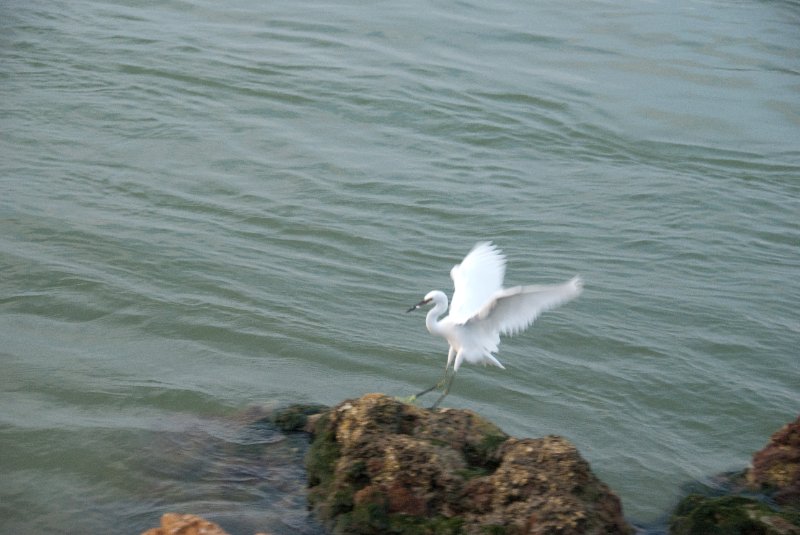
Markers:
point(482, 309)
point(475, 280)
point(512, 310)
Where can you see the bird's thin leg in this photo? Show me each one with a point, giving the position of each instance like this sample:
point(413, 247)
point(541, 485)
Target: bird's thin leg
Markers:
point(446, 391)
point(434, 387)
point(440, 384)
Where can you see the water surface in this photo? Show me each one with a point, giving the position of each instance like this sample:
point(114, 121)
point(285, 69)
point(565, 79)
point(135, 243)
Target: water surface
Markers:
point(211, 207)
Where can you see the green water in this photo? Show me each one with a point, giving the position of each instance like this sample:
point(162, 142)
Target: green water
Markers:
point(211, 207)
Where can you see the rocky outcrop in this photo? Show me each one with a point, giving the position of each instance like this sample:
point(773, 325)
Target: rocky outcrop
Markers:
point(763, 500)
point(729, 515)
point(377, 465)
point(776, 468)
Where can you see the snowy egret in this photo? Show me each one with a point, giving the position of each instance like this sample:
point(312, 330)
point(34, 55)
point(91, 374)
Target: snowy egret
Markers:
point(482, 310)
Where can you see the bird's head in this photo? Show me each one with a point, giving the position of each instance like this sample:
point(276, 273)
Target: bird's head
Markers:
point(428, 299)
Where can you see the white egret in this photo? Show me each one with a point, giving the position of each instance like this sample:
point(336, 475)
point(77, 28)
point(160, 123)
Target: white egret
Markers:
point(482, 310)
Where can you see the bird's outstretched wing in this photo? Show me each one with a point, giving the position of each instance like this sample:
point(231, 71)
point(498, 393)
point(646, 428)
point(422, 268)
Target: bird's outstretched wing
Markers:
point(513, 309)
point(476, 279)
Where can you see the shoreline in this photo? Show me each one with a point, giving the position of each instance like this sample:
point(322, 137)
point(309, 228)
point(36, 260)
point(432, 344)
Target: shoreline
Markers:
point(354, 492)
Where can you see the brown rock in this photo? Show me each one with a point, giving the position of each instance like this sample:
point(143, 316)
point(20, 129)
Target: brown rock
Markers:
point(177, 524)
point(378, 465)
point(776, 468)
point(546, 483)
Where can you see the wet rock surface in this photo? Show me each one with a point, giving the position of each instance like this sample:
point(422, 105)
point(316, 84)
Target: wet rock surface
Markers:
point(730, 515)
point(377, 465)
point(762, 500)
point(776, 468)
point(244, 473)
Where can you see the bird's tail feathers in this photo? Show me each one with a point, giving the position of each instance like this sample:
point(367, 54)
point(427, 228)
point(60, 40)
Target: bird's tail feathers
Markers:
point(489, 359)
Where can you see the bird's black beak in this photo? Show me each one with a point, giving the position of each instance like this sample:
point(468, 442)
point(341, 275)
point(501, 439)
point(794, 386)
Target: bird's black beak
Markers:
point(421, 303)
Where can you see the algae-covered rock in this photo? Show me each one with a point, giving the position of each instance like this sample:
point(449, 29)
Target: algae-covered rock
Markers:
point(776, 468)
point(294, 417)
point(377, 465)
point(730, 515)
point(765, 499)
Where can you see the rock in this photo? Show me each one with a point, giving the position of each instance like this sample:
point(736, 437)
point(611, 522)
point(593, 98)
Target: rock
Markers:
point(377, 465)
point(729, 515)
point(776, 468)
point(765, 499)
point(294, 417)
point(177, 524)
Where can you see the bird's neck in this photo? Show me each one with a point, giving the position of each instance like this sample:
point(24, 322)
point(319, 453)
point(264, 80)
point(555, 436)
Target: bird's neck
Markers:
point(432, 321)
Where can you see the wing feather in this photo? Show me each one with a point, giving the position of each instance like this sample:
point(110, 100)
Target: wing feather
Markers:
point(514, 309)
point(476, 279)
